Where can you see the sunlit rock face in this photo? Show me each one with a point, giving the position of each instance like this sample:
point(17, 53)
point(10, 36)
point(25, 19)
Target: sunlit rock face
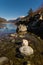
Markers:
point(4, 61)
point(22, 28)
point(25, 42)
point(26, 50)
point(41, 17)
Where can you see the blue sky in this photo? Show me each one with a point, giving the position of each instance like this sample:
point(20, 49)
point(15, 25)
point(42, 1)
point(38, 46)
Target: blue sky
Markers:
point(10, 9)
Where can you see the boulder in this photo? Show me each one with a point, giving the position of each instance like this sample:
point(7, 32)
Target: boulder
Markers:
point(25, 42)
point(4, 61)
point(26, 50)
point(22, 28)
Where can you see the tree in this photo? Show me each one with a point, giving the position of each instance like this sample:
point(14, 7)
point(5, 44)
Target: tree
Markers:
point(30, 12)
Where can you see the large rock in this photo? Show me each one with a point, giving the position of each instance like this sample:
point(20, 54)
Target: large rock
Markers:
point(4, 61)
point(26, 50)
point(22, 28)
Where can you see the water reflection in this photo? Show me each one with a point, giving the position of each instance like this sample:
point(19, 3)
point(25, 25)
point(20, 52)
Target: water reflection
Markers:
point(7, 28)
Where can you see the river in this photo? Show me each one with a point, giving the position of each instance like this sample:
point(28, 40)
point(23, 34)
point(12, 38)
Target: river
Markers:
point(7, 28)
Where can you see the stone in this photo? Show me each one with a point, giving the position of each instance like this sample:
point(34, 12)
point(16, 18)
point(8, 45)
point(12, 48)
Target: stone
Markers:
point(21, 36)
point(25, 42)
point(26, 50)
point(28, 63)
point(22, 28)
point(41, 17)
point(13, 35)
point(11, 62)
point(4, 61)
point(13, 41)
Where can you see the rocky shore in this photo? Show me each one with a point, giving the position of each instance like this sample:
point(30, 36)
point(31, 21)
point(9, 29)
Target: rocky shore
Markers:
point(10, 45)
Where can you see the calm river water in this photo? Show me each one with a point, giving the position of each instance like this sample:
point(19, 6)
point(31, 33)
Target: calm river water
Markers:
point(7, 28)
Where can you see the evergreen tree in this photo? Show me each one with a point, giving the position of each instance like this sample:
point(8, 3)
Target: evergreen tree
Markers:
point(30, 12)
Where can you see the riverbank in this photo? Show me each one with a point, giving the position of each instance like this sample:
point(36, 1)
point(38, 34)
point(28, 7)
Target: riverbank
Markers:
point(10, 44)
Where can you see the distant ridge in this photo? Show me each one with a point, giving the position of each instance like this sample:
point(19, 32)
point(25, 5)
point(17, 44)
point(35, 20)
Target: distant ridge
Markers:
point(16, 20)
point(2, 20)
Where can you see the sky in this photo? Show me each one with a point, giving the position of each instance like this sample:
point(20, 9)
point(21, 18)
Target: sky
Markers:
point(11, 9)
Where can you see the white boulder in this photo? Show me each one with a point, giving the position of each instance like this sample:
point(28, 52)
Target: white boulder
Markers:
point(26, 50)
point(25, 42)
